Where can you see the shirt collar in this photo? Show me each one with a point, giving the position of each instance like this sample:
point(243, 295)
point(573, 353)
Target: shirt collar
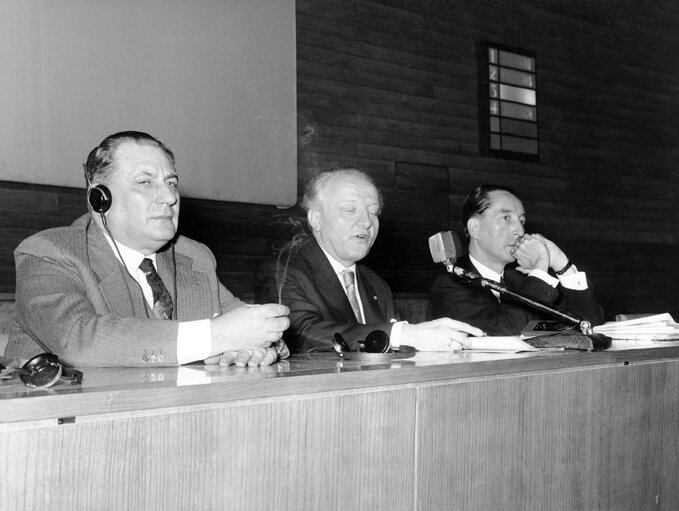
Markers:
point(485, 271)
point(336, 265)
point(130, 257)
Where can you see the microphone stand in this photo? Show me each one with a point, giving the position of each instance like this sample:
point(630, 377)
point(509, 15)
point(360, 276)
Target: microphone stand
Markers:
point(585, 326)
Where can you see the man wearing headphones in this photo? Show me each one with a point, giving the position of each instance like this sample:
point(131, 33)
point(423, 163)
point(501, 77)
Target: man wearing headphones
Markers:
point(118, 287)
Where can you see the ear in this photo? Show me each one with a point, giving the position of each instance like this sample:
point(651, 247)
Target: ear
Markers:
point(313, 217)
point(473, 227)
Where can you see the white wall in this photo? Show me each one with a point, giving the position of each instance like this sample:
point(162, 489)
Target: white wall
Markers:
point(214, 79)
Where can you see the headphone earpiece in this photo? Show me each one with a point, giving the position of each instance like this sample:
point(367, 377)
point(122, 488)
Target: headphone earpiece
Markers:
point(99, 198)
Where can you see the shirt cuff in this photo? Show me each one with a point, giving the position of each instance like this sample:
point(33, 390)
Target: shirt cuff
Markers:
point(544, 276)
point(576, 281)
point(395, 337)
point(194, 341)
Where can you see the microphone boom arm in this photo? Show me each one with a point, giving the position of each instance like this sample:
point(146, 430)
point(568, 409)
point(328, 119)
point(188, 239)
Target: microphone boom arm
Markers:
point(584, 325)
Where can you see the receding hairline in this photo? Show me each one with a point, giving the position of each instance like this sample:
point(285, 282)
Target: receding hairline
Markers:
point(319, 184)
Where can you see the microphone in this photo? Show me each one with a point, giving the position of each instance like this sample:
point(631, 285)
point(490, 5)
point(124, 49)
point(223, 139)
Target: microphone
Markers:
point(445, 247)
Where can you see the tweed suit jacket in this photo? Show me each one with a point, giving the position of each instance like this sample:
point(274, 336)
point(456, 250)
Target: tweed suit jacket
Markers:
point(318, 304)
point(469, 302)
point(76, 300)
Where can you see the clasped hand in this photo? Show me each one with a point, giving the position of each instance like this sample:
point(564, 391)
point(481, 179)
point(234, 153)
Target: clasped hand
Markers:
point(534, 251)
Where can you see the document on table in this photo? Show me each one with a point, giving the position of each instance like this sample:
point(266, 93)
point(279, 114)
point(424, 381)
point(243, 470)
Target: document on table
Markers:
point(498, 344)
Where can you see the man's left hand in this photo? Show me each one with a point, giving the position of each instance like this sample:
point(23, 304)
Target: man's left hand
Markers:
point(245, 357)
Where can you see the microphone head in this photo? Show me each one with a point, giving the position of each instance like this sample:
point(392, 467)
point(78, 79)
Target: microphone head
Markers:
point(444, 246)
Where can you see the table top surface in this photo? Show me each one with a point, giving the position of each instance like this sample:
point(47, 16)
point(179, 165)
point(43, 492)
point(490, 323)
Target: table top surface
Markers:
point(110, 389)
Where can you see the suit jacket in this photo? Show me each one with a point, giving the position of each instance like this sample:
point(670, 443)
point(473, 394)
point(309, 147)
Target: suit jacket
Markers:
point(469, 302)
point(76, 300)
point(319, 307)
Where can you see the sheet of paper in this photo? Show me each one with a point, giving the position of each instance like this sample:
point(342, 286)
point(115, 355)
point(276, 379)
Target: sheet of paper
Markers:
point(499, 344)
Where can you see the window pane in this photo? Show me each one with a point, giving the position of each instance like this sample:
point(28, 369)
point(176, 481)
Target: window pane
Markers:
point(520, 145)
point(495, 142)
point(517, 61)
point(526, 113)
point(494, 107)
point(524, 129)
point(518, 94)
point(517, 77)
point(495, 124)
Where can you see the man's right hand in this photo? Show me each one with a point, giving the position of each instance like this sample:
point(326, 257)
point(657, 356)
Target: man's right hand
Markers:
point(249, 327)
point(443, 334)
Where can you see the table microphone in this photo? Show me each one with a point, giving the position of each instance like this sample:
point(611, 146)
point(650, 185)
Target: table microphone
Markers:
point(444, 247)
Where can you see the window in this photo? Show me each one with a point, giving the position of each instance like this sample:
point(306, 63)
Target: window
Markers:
point(508, 109)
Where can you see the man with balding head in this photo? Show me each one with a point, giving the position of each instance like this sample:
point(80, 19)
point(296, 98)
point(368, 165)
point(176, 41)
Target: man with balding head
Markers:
point(119, 287)
point(324, 287)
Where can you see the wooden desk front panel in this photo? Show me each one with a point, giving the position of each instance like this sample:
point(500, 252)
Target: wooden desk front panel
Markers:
point(589, 439)
point(330, 451)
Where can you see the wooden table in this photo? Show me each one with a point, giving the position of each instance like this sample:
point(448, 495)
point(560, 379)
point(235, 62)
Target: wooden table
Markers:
point(529, 431)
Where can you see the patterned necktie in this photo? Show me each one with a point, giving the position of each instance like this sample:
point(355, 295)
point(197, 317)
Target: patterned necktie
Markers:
point(350, 288)
point(162, 301)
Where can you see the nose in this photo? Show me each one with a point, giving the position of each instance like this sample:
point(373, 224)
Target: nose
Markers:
point(167, 194)
point(365, 220)
point(518, 229)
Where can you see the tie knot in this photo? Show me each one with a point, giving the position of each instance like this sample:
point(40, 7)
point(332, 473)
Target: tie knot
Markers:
point(146, 266)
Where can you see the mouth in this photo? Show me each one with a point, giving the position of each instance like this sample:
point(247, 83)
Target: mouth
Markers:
point(363, 237)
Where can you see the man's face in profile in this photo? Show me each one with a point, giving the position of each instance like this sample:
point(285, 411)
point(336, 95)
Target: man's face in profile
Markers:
point(145, 198)
point(345, 222)
point(494, 233)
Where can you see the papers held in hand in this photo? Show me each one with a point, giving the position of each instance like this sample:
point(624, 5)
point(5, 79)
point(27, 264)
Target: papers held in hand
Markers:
point(658, 327)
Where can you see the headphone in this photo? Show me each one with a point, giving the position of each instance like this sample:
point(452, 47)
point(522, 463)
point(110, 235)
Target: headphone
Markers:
point(99, 198)
point(46, 369)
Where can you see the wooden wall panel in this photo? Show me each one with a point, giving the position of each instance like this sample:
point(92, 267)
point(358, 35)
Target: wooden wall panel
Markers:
point(279, 454)
point(525, 454)
point(391, 86)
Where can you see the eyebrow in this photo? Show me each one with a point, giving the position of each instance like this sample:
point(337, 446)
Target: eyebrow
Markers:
point(146, 173)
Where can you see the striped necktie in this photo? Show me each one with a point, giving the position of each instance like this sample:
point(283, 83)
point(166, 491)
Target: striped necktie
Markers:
point(350, 289)
point(162, 301)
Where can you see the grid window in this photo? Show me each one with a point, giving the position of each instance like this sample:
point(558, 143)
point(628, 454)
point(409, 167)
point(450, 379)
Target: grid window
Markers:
point(508, 105)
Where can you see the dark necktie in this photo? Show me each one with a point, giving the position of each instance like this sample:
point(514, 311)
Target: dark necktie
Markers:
point(350, 289)
point(162, 301)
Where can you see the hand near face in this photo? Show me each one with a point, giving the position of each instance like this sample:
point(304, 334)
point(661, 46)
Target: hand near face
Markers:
point(531, 253)
point(443, 334)
point(249, 327)
point(557, 258)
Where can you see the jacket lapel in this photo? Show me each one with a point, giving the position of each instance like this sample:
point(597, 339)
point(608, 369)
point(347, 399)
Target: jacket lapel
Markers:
point(373, 309)
point(120, 291)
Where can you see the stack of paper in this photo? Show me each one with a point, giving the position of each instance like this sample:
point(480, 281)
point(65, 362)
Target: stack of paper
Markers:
point(659, 327)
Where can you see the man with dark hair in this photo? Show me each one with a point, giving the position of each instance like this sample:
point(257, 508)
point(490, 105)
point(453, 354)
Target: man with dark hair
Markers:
point(119, 287)
point(327, 292)
point(500, 250)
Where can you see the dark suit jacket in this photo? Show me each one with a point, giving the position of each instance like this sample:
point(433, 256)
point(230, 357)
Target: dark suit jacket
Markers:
point(75, 299)
point(469, 302)
point(319, 307)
